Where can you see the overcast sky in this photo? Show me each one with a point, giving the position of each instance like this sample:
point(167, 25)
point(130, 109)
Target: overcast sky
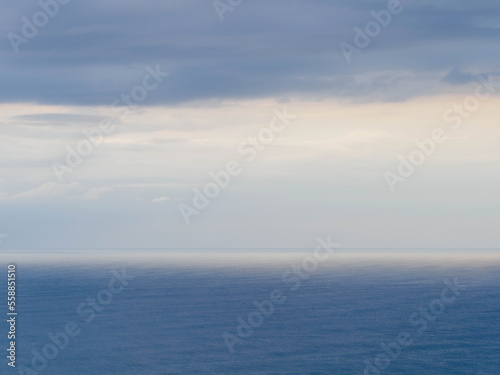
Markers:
point(213, 76)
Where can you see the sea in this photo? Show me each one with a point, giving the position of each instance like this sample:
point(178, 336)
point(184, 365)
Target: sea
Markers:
point(265, 312)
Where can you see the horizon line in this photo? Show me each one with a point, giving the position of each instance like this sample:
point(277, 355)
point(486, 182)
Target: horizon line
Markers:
point(253, 248)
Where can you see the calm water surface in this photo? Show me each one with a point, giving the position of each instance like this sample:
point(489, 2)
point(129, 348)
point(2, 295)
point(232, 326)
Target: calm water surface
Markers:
point(171, 320)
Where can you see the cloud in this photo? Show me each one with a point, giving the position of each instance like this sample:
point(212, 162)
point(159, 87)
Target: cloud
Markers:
point(456, 77)
point(93, 52)
point(51, 190)
point(94, 194)
point(72, 190)
point(161, 199)
point(57, 118)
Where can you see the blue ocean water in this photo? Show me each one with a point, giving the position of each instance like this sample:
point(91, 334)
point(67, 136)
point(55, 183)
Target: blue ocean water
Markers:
point(172, 320)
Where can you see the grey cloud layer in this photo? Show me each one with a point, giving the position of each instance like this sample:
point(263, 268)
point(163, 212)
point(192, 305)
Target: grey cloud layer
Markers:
point(92, 51)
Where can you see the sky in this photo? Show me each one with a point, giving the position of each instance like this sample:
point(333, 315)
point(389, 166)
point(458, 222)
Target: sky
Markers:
point(375, 122)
